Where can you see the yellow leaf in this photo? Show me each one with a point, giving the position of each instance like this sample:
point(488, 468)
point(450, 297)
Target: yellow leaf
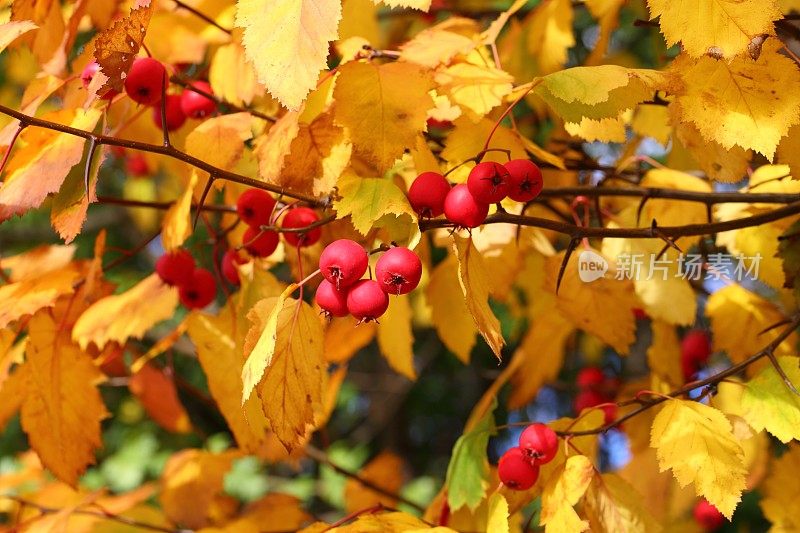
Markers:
point(498, 514)
point(287, 42)
point(395, 338)
point(468, 137)
point(611, 504)
point(550, 34)
point(177, 224)
point(61, 408)
point(343, 339)
point(220, 140)
point(385, 471)
point(437, 45)
point(474, 281)
point(781, 490)
point(652, 121)
point(603, 307)
point(769, 404)
point(33, 293)
point(741, 103)
point(422, 5)
point(272, 148)
point(40, 167)
point(664, 354)
point(789, 151)
point(359, 19)
point(37, 261)
point(449, 311)
point(737, 315)
point(11, 30)
point(384, 107)
point(130, 314)
point(564, 488)
point(291, 390)
point(607, 13)
point(726, 165)
point(489, 36)
point(696, 442)
point(479, 88)
point(611, 129)
point(189, 483)
point(231, 76)
point(724, 27)
point(271, 512)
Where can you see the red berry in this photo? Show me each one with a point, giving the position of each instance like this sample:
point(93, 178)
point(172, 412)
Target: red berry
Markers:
point(525, 180)
point(609, 413)
point(228, 267)
point(175, 268)
point(254, 207)
point(343, 262)
point(427, 193)
point(580, 200)
point(175, 116)
point(366, 301)
point(539, 443)
point(695, 351)
point(199, 291)
point(194, 104)
point(260, 243)
point(588, 398)
point(639, 313)
point(145, 81)
point(398, 271)
point(440, 124)
point(136, 165)
point(489, 182)
point(590, 377)
point(516, 470)
point(88, 74)
point(332, 301)
point(462, 209)
point(300, 217)
point(708, 516)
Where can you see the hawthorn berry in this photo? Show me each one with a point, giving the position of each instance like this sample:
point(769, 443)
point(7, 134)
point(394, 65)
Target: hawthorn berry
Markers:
point(695, 351)
point(199, 290)
point(398, 271)
point(366, 300)
point(145, 81)
point(301, 217)
point(343, 262)
point(260, 243)
point(427, 194)
point(174, 114)
point(708, 516)
point(462, 209)
point(254, 207)
point(136, 165)
point(194, 104)
point(516, 470)
point(175, 268)
point(590, 377)
point(331, 300)
point(87, 75)
point(489, 182)
point(228, 266)
point(639, 313)
point(525, 180)
point(539, 443)
point(586, 399)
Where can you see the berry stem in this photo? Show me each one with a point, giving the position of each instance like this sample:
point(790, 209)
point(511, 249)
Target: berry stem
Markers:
point(533, 85)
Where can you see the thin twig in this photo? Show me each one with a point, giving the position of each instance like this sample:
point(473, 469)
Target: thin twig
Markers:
point(202, 16)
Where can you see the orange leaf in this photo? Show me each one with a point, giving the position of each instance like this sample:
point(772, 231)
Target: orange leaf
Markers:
point(160, 399)
point(37, 261)
point(116, 47)
point(28, 296)
point(385, 471)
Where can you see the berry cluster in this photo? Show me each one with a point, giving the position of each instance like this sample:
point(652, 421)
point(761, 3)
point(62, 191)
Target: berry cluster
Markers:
point(145, 83)
point(595, 388)
point(467, 205)
point(695, 351)
point(196, 286)
point(343, 292)
point(519, 466)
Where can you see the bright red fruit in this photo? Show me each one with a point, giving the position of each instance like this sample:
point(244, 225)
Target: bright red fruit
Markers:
point(254, 207)
point(199, 291)
point(174, 114)
point(228, 266)
point(88, 74)
point(539, 443)
point(639, 313)
point(136, 165)
point(586, 399)
point(398, 271)
point(331, 300)
point(300, 217)
point(145, 81)
point(343, 262)
point(175, 268)
point(260, 243)
point(525, 180)
point(590, 377)
point(194, 104)
point(708, 516)
point(462, 209)
point(366, 301)
point(695, 351)
point(516, 471)
point(489, 182)
point(427, 193)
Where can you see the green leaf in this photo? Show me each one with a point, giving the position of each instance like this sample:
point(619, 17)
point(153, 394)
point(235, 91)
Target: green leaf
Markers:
point(769, 404)
point(468, 471)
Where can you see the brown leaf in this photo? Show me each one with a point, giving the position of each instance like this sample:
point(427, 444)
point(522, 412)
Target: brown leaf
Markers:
point(116, 47)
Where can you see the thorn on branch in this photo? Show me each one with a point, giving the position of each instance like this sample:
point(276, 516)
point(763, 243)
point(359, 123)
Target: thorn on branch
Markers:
point(781, 372)
point(203, 196)
point(573, 243)
point(87, 171)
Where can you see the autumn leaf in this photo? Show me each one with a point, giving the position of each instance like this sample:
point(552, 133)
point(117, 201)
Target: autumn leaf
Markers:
point(33, 293)
point(37, 261)
point(474, 280)
point(723, 28)
point(781, 490)
point(696, 442)
point(437, 45)
point(219, 141)
point(384, 108)
point(70, 204)
point(343, 339)
point(287, 43)
point(449, 311)
point(231, 76)
point(478, 88)
point(159, 397)
point(664, 353)
point(611, 504)
point(385, 471)
point(11, 30)
point(130, 314)
point(498, 514)
point(422, 5)
point(62, 408)
point(177, 224)
point(468, 471)
point(395, 338)
point(769, 404)
point(116, 47)
point(550, 35)
point(564, 488)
